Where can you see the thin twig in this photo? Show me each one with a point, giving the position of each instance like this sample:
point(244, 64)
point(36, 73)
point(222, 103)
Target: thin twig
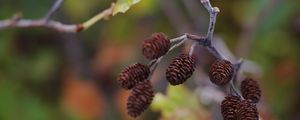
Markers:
point(212, 49)
point(235, 91)
point(180, 38)
point(53, 9)
point(104, 14)
point(154, 63)
point(55, 25)
point(171, 49)
point(237, 67)
point(177, 45)
point(207, 42)
point(213, 12)
point(26, 23)
point(192, 48)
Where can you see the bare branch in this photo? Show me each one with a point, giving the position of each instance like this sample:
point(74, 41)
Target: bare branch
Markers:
point(26, 23)
point(52, 24)
point(53, 9)
point(154, 63)
point(207, 44)
point(215, 52)
point(237, 67)
point(235, 91)
point(213, 12)
point(180, 38)
point(207, 41)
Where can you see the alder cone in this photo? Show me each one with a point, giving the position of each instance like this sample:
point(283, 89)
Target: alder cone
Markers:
point(156, 46)
point(140, 98)
point(250, 90)
point(180, 69)
point(229, 107)
point(247, 110)
point(221, 72)
point(132, 75)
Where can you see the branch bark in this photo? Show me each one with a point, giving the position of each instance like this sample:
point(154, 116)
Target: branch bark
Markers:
point(47, 22)
point(53, 9)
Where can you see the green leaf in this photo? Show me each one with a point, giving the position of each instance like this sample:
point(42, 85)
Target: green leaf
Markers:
point(178, 99)
point(123, 5)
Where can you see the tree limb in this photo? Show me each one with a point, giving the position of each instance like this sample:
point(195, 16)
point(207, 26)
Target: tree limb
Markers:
point(52, 24)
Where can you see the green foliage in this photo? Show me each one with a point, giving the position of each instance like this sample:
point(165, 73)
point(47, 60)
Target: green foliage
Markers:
point(178, 100)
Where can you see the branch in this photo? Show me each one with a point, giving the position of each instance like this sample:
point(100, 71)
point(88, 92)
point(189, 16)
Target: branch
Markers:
point(154, 63)
point(207, 41)
point(104, 14)
point(26, 23)
point(52, 24)
point(53, 9)
point(232, 83)
point(213, 12)
point(237, 67)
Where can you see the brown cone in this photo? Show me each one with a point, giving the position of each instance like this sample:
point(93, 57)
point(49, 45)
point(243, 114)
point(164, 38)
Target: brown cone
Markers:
point(229, 107)
point(250, 90)
point(221, 72)
point(140, 98)
point(247, 111)
point(156, 46)
point(180, 69)
point(132, 75)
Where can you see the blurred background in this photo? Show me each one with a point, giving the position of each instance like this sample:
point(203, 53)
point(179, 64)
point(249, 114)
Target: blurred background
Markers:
point(47, 75)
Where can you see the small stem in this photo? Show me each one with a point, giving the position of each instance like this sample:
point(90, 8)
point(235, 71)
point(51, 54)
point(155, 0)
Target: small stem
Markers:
point(212, 23)
point(192, 48)
point(53, 9)
point(176, 45)
point(215, 52)
point(99, 16)
point(180, 38)
point(237, 67)
point(55, 25)
point(232, 87)
point(154, 63)
point(213, 12)
point(25, 23)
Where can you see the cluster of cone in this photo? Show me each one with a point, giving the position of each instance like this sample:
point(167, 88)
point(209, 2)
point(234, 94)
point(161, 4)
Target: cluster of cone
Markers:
point(233, 108)
point(135, 77)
